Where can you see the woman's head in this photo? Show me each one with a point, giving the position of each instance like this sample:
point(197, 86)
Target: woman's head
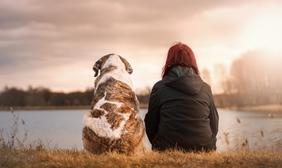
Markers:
point(180, 54)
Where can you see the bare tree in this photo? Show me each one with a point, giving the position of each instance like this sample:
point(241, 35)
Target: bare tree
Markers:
point(206, 76)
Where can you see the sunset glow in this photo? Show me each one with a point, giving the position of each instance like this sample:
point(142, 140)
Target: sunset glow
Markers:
point(41, 44)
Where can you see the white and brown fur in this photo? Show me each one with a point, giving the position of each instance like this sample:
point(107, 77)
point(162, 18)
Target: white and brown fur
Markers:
point(114, 123)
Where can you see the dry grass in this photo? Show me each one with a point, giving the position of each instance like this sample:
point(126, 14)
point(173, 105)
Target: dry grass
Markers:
point(71, 158)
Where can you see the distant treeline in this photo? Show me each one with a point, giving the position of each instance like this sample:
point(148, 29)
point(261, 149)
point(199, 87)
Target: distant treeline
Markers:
point(12, 96)
point(44, 97)
point(255, 78)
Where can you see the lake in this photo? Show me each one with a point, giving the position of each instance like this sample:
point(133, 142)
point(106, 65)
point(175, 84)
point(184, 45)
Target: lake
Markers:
point(63, 128)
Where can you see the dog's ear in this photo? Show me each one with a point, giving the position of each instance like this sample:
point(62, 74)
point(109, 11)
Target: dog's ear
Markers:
point(97, 67)
point(99, 64)
point(127, 65)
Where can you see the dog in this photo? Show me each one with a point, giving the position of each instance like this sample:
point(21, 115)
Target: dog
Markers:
point(114, 123)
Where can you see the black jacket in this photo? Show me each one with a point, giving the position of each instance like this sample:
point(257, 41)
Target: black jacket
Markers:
point(181, 112)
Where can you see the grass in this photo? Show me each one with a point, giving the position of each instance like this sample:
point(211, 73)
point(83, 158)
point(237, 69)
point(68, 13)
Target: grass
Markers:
point(27, 158)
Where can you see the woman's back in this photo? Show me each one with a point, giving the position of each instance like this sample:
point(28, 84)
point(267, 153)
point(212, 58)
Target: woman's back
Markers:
point(181, 112)
point(185, 107)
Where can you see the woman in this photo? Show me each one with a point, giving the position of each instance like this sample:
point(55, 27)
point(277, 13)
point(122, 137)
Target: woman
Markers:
point(181, 113)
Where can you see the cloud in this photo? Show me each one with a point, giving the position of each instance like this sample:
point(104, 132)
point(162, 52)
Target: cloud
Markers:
point(40, 36)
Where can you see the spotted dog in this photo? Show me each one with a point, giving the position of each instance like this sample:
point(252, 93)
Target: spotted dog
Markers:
point(114, 123)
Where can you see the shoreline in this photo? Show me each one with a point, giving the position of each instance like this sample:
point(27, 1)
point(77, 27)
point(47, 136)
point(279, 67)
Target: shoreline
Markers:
point(32, 108)
point(271, 108)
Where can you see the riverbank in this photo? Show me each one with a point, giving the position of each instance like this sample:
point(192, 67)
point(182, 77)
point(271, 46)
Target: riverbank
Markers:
point(27, 108)
point(271, 108)
point(72, 158)
point(142, 106)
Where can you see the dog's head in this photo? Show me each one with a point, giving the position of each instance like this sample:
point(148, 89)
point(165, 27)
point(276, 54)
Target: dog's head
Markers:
point(111, 60)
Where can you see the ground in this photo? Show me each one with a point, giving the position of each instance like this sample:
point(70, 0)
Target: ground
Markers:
point(71, 158)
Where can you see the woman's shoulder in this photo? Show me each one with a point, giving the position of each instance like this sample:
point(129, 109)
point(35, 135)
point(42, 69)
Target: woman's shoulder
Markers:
point(206, 86)
point(158, 87)
point(207, 89)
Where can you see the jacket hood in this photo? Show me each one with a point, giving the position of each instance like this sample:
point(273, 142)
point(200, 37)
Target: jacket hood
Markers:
point(184, 79)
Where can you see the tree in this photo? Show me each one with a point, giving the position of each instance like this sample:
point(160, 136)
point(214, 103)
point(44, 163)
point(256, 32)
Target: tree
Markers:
point(206, 76)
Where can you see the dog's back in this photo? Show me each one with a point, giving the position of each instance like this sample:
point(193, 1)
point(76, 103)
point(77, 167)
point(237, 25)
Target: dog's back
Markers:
point(113, 124)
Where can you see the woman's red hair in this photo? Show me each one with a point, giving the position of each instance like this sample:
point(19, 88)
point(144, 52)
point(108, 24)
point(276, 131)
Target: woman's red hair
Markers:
point(180, 54)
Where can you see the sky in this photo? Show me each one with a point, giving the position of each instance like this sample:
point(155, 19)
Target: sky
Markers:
point(55, 43)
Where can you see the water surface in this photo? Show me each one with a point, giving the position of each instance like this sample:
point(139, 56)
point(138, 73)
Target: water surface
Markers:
point(63, 129)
